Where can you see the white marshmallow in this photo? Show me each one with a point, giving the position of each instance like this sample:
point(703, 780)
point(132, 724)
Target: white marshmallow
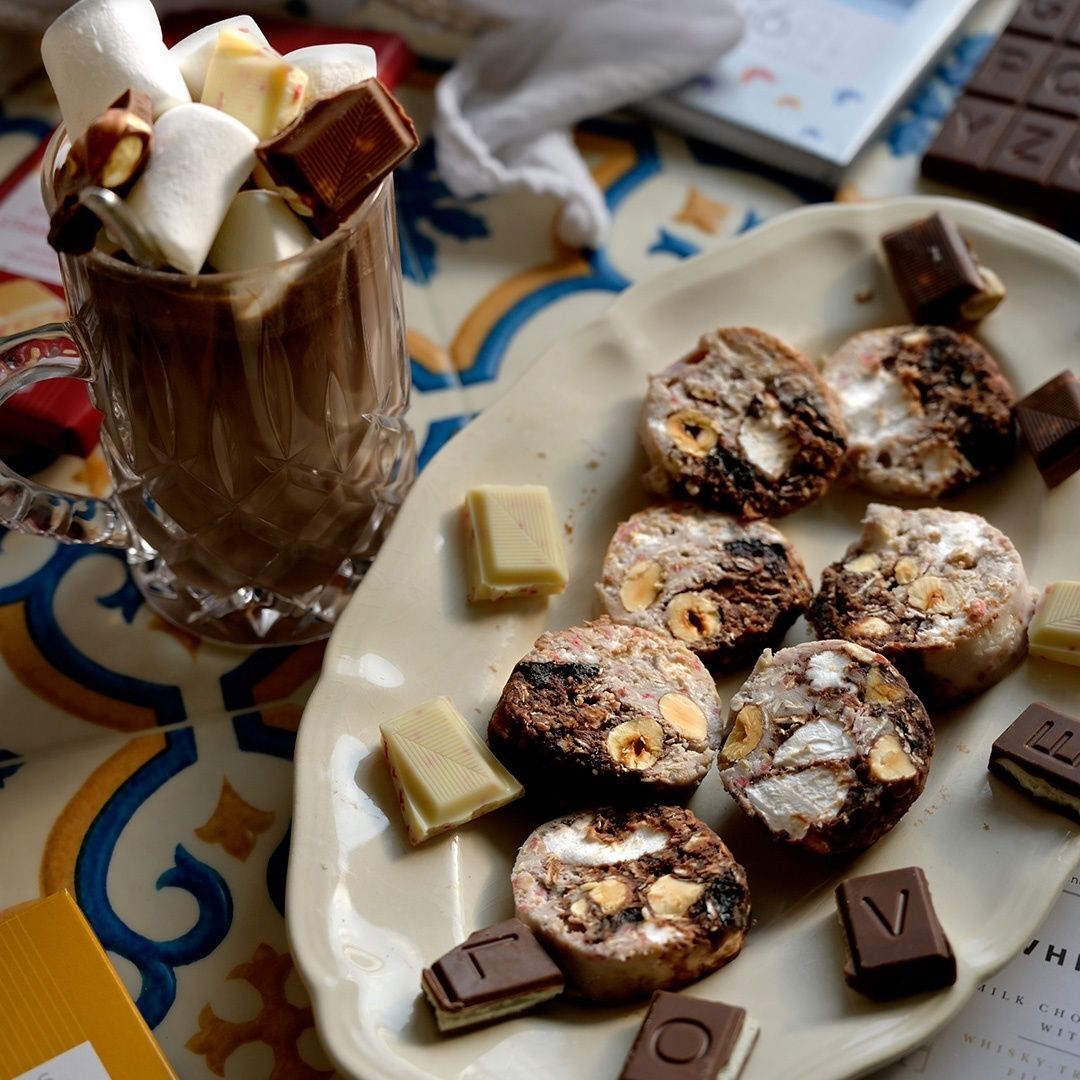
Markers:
point(331, 68)
point(192, 54)
point(258, 230)
point(97, 49)
point(201, 157)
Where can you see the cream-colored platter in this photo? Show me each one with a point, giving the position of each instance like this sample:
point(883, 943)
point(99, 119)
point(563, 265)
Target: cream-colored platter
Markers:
point(366, 912)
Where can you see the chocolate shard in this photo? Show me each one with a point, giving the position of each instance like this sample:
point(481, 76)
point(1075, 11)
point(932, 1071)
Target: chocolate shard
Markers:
point(494, 973)
point(896, 946)
point(934, 270)
point(328, 160)
point(1049, 420)
point(111, 153)
point(1040, 753)
point(687, 1038)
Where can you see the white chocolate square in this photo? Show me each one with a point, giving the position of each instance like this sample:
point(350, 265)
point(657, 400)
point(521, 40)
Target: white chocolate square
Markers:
point(253, 84)
point(1054, 633)
point(514, 547)
point(443, 772)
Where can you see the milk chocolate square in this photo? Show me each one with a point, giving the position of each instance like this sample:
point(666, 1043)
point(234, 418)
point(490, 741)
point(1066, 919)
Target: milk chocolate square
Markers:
point(1049, 420)
point(1040, 753)
point(443, 772)
point(494, 973)
point(332, 156)
point(512, 542)
point(896, 946)
point(688, 1038)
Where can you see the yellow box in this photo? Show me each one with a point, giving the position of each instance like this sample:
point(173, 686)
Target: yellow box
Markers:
point(59, 995)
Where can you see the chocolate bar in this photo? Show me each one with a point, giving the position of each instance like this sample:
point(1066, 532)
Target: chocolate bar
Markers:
point(937, 273)
point(494, 973)
point(110, 154)
point(687, 1038)
point(1049, 420)
point(1015, 132)
point(1054, 633)
point(896, 946)
point(1040, 753)
point(512, 542)
point(328, 160)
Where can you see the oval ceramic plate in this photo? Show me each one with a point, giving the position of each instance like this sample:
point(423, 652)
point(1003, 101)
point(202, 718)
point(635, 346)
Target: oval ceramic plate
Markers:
point(366, 912)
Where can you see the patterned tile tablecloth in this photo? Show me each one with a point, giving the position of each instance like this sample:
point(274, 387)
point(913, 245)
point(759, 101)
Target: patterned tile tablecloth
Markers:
point(150, 773)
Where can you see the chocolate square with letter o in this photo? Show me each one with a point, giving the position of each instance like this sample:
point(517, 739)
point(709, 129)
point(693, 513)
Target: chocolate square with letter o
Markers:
point(687, 1038)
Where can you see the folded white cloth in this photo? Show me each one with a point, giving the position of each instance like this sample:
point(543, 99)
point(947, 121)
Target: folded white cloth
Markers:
point(504, 111)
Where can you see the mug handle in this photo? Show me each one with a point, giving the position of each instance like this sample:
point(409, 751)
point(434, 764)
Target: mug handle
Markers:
point(49, 352)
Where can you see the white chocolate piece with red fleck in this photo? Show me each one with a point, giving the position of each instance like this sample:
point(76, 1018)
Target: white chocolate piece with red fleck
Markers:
point(1054, 633)
point(253, 83)
point(443, 772)
point(192, 54)
point(513, 544)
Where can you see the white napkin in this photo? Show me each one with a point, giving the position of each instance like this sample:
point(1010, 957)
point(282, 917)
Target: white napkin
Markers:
point(504, 111)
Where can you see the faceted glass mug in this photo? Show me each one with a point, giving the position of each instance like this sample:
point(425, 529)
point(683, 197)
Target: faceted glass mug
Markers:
point(253, 425)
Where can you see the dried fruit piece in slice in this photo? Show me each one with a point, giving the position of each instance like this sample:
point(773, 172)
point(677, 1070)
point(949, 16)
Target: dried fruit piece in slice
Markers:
point(826, 746)
point(723, 588)
point(610, 712)
point(941, 593)
point(743, 423)
point(632, 901)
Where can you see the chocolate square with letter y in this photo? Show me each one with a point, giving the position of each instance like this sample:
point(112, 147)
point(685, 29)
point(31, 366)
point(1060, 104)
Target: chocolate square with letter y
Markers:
point(896, 946)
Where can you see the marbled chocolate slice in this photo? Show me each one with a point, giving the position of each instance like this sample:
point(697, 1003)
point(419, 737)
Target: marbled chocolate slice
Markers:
point(443, 772)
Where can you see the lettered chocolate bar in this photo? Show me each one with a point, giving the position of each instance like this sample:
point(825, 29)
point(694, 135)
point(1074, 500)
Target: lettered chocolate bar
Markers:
point(688, 1038)
point(1014, 131)
point(895, 944)
point(332, 156)
point(494, 973)
point(1040, 753)
point(512, 541)
point(442, 770)
point(1054, 633)
point(1049, 420)
point(937, 273)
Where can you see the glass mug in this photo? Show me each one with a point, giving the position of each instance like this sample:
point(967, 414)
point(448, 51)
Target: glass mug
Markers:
point(252, 425)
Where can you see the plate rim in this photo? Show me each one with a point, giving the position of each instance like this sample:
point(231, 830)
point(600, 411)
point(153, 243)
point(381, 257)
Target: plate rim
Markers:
point(328, 989)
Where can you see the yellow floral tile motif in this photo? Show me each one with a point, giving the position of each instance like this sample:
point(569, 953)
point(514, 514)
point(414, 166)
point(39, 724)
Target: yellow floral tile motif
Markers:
point(702, 212)
point(95, 475)
point(279, 1024)
point(235, 824)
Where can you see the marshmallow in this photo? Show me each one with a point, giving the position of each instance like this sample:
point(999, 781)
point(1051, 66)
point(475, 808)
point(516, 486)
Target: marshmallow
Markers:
point(200, 158)
point(253, 83)
point(97, 49)
point(192, 54)
point(331, 68)
point(258, 230)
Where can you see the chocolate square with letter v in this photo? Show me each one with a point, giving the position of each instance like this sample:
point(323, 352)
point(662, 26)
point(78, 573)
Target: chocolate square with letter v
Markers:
point(896, 946)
